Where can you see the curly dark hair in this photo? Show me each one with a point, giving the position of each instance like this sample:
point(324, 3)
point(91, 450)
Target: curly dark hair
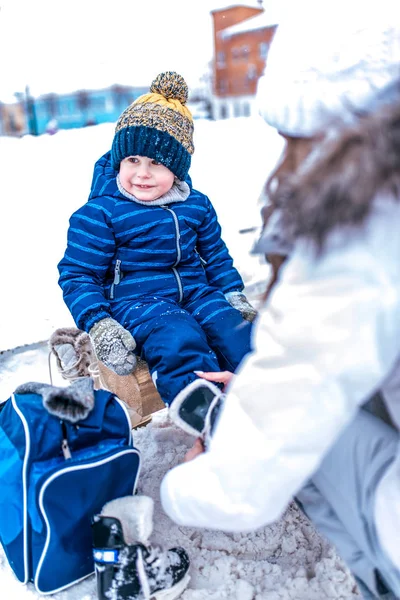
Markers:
point(324, 183)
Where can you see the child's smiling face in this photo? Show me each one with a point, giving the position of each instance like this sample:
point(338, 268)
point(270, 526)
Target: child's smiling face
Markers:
point(145, 178)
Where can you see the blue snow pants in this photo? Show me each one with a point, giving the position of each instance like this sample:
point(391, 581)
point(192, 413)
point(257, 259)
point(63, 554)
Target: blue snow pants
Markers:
point(203, 333)
point(339, 500)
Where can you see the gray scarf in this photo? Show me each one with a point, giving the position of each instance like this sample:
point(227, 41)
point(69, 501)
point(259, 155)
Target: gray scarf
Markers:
point(178, 193)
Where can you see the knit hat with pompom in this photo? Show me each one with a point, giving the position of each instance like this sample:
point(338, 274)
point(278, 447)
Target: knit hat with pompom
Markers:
point(158, 125)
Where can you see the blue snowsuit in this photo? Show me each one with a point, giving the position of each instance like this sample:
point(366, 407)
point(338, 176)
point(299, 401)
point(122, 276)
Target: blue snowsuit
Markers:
point(161, 272)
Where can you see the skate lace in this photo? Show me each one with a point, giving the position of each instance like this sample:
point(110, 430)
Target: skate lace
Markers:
point(153, 567)
point(67, 372)
point(143, 578)
point(158, 564)
point(155, 553)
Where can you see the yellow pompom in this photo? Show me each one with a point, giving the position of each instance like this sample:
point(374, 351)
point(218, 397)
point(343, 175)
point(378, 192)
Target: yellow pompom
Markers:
point(171, 85)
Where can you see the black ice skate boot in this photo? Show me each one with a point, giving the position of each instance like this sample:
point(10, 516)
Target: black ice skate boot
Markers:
point(127, 567)
point(197, 407)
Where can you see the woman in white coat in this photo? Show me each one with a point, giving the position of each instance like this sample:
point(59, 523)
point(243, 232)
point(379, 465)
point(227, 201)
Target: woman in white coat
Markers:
point(328, 336)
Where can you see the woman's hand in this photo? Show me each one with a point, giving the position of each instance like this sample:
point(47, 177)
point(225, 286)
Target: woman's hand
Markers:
point(195, 450)
point(224, 377)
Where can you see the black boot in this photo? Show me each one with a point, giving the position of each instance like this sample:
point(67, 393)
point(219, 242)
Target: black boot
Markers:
point(135, 571)
point(196, 408)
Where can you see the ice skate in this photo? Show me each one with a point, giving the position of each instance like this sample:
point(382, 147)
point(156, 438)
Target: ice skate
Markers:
point(127, 566)
point(196, 408)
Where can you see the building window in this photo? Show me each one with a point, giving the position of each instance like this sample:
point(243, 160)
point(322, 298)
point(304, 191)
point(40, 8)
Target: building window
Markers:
point(221, 61)
point(222, 87)
point(235, 53)
point(251, 72)
point(223, 112)
point(41, 111)
point(64, 108)
point(245, 52)
point(263, 49)
point(52, 105)
point(246, 109)
point(98, 104)
point(109, 105)
point(236, 109)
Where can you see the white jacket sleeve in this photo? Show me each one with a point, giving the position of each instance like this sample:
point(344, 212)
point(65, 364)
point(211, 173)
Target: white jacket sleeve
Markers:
point(327, 338)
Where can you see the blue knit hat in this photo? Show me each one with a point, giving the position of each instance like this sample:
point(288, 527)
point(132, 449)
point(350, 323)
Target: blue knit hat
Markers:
point(158, 125)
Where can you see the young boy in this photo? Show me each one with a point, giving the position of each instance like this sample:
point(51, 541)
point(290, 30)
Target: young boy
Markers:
point(146, 270)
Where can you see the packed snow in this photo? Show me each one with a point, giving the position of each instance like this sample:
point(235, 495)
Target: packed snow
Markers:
point(43, 181)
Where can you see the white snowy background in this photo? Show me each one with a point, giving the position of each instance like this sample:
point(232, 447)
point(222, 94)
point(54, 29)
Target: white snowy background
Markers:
point(43, 180)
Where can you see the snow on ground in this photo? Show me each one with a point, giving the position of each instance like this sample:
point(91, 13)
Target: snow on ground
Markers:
point(43, 180)
point(284, 561)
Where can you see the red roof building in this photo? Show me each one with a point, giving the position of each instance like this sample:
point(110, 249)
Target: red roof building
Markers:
point(242, 36)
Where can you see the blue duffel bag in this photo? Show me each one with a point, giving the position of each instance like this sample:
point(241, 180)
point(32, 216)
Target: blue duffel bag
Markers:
point(64, 453)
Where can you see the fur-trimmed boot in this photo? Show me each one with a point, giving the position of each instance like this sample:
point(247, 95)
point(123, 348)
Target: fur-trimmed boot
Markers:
point(197, 407)
point(127, 567)
point(76, 358)
point(74, 353)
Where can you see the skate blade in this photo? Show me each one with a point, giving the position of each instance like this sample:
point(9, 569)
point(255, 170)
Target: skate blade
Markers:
point(174, 592)
point(145, 421)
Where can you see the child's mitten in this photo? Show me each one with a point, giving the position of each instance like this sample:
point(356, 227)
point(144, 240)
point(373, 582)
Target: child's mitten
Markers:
point(114, 346)
point(239, 301)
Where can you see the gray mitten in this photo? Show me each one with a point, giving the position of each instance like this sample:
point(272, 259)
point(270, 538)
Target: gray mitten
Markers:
point(114, 346)
point(239, 301)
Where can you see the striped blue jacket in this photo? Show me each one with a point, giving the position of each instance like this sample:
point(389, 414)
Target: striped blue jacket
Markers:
point(119, 250)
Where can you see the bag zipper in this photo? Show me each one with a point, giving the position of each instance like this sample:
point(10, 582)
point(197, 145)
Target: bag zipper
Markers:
point(64, 442)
